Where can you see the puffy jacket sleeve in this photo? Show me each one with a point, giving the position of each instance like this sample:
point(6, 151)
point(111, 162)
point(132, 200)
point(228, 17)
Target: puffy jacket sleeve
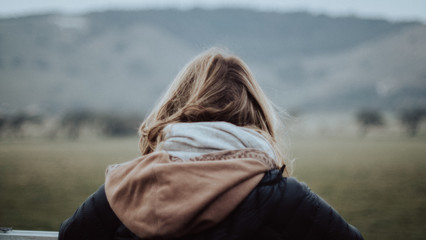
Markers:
point(308, 216)
point(94, 219)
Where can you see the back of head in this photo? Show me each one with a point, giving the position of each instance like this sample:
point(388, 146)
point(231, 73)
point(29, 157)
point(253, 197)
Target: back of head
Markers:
point(215, 86)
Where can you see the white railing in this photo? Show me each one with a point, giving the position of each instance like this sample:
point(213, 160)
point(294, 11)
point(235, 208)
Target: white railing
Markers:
point(28, 235)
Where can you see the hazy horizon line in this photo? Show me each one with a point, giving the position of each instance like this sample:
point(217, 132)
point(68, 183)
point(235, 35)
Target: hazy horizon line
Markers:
point(141, 8)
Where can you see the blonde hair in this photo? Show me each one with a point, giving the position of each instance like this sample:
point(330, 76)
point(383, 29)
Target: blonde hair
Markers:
point(215, 86)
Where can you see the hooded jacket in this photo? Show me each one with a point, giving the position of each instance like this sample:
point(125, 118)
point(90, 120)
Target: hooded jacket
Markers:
point(234, 191)
point(225, 195)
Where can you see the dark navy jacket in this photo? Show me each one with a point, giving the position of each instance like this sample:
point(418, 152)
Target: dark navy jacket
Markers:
point(278, 208)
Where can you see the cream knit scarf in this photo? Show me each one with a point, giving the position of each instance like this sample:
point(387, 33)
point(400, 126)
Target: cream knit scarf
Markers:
point(188, 140)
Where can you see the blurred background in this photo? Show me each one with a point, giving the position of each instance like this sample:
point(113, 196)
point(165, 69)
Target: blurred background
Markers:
point(78, 77)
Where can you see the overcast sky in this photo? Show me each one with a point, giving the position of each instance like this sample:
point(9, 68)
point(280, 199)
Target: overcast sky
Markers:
point(390, 9)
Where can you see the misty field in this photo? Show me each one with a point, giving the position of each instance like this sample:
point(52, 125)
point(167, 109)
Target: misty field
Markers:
point(378, 185)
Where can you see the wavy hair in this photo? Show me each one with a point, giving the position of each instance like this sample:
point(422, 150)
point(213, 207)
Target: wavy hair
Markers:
point(215, 86)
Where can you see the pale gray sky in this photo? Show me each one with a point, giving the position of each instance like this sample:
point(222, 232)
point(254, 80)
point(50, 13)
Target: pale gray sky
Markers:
point(390, 9)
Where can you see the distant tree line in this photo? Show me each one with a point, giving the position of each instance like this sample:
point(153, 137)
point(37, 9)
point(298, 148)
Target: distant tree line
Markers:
point(15, 123)
point(410, 118)
point(71, 125)
point(369, 118)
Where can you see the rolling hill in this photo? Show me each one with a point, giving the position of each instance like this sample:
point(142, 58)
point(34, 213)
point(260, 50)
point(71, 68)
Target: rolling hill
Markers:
point(123, 60)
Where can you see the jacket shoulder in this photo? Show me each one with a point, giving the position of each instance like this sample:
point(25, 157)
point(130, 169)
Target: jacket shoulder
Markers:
point(282, 208)
point(295, 212)
point(94, 219)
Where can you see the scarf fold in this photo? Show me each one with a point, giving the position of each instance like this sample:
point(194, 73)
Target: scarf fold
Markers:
point(188, 140)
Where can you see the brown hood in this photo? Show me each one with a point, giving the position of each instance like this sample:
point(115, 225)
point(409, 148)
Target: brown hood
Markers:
point(159, 195)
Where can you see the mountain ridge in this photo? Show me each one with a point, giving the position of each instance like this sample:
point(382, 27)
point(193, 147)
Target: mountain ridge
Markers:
point(125, 59)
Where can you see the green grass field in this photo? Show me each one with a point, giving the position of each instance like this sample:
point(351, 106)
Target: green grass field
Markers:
point(378, 185)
